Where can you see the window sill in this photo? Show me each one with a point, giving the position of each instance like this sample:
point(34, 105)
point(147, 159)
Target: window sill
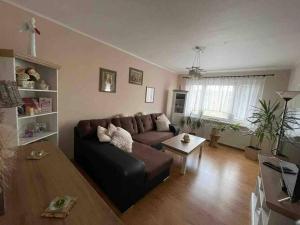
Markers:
point(219, 120)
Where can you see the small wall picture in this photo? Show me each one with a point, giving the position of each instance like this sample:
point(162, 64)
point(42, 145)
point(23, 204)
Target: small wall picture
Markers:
point(135, 76)
point(108, 80)
point(150, 91)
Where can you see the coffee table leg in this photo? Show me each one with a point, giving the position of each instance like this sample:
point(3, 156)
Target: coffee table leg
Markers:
point(183, 166)
point(200, 151)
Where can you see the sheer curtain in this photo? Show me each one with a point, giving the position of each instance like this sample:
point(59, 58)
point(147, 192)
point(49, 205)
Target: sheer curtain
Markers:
point(226, 98)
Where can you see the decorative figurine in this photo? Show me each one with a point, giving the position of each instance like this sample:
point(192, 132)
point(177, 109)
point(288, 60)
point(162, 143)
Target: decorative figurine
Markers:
point(34, 76)
point(43, 85)
point(32, 30)
point(186, 138)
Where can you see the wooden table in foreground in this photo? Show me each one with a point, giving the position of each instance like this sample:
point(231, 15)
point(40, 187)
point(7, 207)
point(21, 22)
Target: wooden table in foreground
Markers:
point(34, 183)
point(176, 146)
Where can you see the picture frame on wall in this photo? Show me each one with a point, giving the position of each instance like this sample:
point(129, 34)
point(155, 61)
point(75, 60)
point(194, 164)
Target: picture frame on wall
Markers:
point(150, 92)
point(135, 76)
point(107, 81)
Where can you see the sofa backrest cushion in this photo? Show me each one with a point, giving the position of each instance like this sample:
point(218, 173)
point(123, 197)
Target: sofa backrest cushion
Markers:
point(88, 128)
point(145, 123)
point(154, 118)
point(127, 123)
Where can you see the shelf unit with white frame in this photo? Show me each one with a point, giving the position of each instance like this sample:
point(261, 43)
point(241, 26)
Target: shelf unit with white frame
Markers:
point(178, 105)
point(48, 72)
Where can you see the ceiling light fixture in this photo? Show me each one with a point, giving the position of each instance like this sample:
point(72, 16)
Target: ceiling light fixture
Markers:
point(195, 71)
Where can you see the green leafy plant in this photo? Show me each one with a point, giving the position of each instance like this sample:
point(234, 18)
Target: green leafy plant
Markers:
point(267, 120)
point(221, 127)
point(191, 123)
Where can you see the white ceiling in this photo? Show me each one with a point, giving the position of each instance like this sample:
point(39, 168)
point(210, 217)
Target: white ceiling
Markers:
point(237, 34)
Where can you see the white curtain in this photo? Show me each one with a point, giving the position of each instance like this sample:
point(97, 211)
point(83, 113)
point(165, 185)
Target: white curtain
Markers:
point(226, 98)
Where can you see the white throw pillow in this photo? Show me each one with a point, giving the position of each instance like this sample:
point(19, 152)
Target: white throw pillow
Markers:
point(111, 129)
point(122, 139)
point(102, 134)
point(162, 123)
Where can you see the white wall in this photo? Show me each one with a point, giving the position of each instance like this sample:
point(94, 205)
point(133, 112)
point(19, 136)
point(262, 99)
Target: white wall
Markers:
point(278, 82)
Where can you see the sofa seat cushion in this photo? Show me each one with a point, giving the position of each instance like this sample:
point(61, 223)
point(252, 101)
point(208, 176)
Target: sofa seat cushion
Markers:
point(152, 137)
point(155, 161)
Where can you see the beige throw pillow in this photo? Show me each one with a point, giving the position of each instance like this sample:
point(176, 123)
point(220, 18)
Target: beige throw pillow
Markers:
point(162, 123)
point(122, 139)
point(102, 134)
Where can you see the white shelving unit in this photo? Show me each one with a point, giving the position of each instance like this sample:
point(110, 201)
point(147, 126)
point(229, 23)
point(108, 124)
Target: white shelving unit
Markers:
point(48, 72)
point(178, 105)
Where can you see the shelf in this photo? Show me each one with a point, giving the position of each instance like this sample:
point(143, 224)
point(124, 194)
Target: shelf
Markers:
point(42, 135)
point(36, 115)
point(254, 213)
point(37, 90)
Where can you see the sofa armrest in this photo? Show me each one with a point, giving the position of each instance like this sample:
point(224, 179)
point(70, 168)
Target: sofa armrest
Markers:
point(174, 129)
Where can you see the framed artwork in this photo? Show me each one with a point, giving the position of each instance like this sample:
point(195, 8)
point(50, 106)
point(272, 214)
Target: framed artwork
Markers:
point(135, 76)
point(107, 81)
point(149, 97)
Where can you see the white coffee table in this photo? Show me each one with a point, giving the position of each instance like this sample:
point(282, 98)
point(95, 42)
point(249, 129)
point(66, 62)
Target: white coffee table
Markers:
point(176, 146)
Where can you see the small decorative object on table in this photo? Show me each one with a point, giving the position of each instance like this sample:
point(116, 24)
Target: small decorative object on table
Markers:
point(60, 207)
point(37, 154)
point(186, 138)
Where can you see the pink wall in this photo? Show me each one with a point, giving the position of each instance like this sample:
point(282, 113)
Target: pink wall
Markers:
point(81, 58)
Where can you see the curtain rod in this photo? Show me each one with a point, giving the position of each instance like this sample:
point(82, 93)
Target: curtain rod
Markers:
point(265, 75)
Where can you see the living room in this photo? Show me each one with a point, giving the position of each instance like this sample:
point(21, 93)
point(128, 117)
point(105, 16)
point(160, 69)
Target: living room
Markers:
point(142, 112)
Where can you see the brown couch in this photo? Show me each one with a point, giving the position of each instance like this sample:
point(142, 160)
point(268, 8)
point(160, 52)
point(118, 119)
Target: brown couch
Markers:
point(124, 177)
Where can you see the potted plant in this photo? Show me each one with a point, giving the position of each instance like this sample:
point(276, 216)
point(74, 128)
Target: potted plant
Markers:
point(218, 128)
point(266, 122)
point(191, 124)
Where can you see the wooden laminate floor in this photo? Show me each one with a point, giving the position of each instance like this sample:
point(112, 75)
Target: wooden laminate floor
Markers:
point(215, 191)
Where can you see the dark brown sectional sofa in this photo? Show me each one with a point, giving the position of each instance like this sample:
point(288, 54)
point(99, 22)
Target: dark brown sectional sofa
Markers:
point(124, 177)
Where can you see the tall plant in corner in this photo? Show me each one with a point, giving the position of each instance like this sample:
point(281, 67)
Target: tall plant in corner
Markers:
point(266, 122)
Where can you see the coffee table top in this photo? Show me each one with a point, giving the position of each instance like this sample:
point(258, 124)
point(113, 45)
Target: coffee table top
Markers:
point(176, 144)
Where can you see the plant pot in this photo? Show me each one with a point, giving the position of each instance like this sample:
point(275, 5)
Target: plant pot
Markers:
point(214, 140)
point(251, 152)
point(215, 132)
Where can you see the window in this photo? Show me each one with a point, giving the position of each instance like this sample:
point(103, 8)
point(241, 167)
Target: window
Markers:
point(225, 98)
